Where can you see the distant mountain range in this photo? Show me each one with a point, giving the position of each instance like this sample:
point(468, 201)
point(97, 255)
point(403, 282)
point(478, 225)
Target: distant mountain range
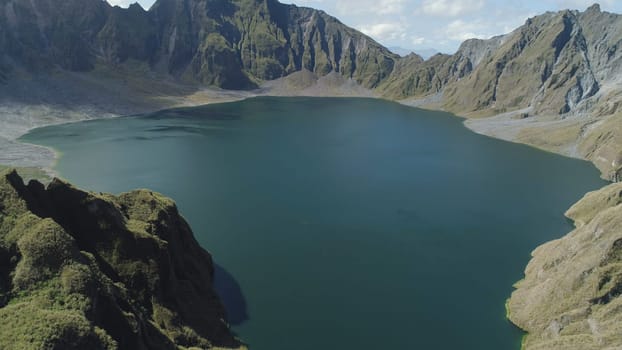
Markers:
point(424, 53)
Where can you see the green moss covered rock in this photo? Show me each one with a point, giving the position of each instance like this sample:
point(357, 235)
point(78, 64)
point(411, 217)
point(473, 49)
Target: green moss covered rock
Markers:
point(80, 270)
point(571, 296)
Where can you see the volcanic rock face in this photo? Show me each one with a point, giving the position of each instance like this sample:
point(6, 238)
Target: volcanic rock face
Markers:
point(230, 44)
point(563, 69)
point(554, 64)
point(95, 271)
point(570, 297)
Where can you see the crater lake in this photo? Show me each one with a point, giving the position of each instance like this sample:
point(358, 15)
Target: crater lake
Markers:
point(341, 223)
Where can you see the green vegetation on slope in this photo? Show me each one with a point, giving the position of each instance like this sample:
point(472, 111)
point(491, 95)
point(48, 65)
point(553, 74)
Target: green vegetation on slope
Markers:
point(87, 271)
point(570, 297)
point(232, 44)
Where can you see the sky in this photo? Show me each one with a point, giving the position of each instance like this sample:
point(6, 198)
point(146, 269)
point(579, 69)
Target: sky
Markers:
point(433, 24)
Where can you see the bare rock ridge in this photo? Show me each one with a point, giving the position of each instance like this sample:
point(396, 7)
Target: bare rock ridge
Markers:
point(95, 271)
point(547, 64)
point(554, 63)
point(232, 44)
point(570, 297)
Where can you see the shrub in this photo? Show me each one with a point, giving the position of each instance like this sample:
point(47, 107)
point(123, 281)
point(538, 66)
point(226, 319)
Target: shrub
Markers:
point(45, 247)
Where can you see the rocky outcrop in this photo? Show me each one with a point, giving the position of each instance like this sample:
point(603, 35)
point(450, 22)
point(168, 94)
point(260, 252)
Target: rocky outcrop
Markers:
point(94, 271)
point(414, 77)
point(570, 297)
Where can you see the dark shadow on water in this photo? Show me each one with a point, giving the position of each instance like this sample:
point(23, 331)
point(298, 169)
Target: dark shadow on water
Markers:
point(204, 112)
point(231, 296)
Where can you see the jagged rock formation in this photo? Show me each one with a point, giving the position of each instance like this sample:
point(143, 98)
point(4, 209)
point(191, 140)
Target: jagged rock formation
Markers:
point(230, 44)
point(414, 77)
point(554, 64)
point(570, 297)
point(553, 83)
point(94, 271)
point(541, 65)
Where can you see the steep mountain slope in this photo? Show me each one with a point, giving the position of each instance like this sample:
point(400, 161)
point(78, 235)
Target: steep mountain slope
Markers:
point(570, 297)
point(230, 44)
point(544, 60)
point(92, 271)
point(413, 77)
point(542, 65)
point(553, 83)
point(553, 64)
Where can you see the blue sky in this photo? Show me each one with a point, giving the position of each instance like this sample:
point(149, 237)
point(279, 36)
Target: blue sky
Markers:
point(438, 24)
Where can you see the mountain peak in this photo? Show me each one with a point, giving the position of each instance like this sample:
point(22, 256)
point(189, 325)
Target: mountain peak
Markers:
point(594, 8)
point(135, 6)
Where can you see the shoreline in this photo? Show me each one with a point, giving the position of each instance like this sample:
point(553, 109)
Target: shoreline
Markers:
point(592, 175)
point(42, 101)
point(494, 127)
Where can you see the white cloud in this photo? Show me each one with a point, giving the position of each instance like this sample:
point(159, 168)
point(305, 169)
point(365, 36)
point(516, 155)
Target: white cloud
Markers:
point(418, 40)
point(307, 3)
point(461, 30)
point(371, 7)
point(451, 8)
point(126, 3)
point(498, 21)
point(388, 7)
point(583, 4)
point(122, 3)
point(385, 31)
point(442, 24)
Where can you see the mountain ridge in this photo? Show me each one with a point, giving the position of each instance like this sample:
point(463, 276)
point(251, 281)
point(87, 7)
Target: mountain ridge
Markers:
point(552, 64)
point(553, 83)
point(229, 44)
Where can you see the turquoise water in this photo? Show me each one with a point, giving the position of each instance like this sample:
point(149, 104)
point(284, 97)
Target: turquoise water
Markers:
point(342, 223)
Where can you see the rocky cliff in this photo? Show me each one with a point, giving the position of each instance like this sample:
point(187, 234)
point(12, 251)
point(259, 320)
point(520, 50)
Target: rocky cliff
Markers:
point(94, 271)
point(570, 297)
point(413, 77)
point(553, 83)
point(233, 44)
point(554, 64)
